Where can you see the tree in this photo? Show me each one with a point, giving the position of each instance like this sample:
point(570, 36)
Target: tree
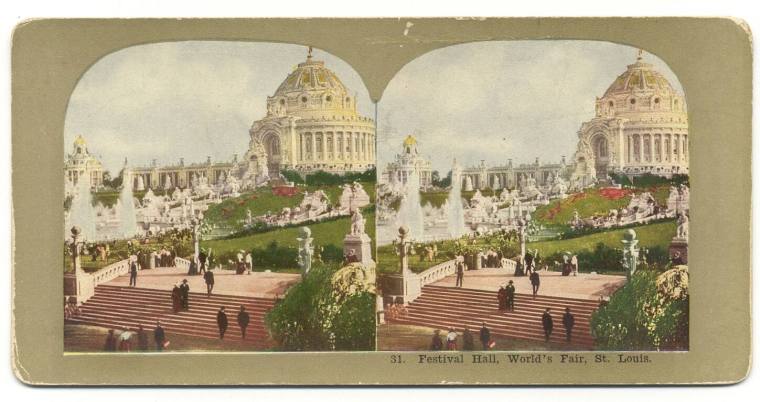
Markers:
point(435, 177)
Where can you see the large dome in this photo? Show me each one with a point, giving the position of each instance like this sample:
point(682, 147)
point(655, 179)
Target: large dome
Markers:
point(311, 75)
point(639, 77)
point(312, 91)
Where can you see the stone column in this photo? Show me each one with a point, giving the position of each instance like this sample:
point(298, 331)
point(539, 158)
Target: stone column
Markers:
point(641, 149)
point(630, 252)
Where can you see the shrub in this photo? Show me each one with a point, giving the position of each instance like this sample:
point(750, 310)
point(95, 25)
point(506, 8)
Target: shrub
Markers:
point(311, 317)
point(638, 317)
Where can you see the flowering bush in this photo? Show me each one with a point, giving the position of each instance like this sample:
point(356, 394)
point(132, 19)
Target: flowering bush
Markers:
point(326, 311)
point(651, 312)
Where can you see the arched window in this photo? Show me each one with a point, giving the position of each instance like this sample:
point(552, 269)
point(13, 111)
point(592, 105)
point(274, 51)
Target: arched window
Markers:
point(601, 146)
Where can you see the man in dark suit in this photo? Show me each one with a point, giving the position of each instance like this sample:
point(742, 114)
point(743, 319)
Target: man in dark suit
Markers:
point(221, 321)
point(208, 276)
point(133, 273)
point(548, 324)
point(568, 320)
point(243, 319)
point(159, 336)
point(460, 273)
point(202, 258)
point(535, 281)
point(485, 336)
point(510, 291)
point(184, 290)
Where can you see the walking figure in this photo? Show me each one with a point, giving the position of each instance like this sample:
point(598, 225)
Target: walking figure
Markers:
point(221, 321)
point(510, 290)
point(133, 272)
point(243, 320)
point(535, 281)
point(548, 324)
point(208, 277)
point(568, 320)
point(460, 273)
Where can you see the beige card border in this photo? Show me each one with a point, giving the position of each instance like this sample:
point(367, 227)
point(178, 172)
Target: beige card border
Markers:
point(712, 57)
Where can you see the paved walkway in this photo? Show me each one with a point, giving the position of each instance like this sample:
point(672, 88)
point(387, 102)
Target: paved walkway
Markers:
point(257, 284)
point(583, 286)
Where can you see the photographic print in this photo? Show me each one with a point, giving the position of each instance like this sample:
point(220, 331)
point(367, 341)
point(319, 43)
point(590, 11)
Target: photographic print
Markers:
point(219, 197)
point(534, 195)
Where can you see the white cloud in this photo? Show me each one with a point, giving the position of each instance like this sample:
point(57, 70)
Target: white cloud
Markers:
point(494, 101)
point(184, 99)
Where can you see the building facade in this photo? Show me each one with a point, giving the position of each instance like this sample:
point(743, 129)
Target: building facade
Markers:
point(81, 165)
point(408, 161)
point(181, 175)
point(510, 176)
point(640, 126)
point(311, 124)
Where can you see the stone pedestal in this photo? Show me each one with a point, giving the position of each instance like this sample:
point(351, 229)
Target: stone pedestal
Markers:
point(680, 246)
point(407, 286)
point(361, 245)
point(79, 285)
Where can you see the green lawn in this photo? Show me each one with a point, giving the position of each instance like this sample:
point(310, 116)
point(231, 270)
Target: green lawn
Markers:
point(330, 232)
point(657, 234)
point(560, 212)
point(231, 212)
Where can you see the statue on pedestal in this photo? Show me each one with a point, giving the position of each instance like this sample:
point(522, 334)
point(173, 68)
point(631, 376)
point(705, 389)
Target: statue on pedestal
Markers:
point(630, 252)
point(682, 230)
point(357, 223)
point(305, 250)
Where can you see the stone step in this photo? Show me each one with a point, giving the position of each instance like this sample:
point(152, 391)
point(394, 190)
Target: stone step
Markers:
point(121, 306)
point(435, 289)
point(444, 307)
point(530, 305)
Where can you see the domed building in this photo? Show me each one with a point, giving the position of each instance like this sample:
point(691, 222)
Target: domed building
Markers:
point(408, 161)
point(311, 124)
point(82, 165)
point(640, 127)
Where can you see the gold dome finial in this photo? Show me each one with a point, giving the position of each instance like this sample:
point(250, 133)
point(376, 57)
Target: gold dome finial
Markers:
point(640, 55)
point(308, 56)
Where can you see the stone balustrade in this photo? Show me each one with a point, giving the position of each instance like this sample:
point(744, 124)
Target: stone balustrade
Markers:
point(182, 263)
point(437, 272)
point(110, 272)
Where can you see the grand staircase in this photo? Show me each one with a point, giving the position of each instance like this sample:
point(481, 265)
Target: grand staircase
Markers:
point(120, 306)
point(443, 307)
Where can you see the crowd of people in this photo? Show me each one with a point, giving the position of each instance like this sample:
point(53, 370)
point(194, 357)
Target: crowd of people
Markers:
point(468, 341)
point(128, 339)
point(450, 341)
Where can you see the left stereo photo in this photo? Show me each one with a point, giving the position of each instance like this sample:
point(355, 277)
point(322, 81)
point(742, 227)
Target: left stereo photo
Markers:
point(219, 196)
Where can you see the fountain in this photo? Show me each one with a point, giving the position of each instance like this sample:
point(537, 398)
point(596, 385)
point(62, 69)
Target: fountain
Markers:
point(127, 215)
point(82, 213)
point(410, 211)
point(456, 226)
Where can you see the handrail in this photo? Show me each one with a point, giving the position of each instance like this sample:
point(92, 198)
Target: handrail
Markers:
point(437, 272)
point(110, 272)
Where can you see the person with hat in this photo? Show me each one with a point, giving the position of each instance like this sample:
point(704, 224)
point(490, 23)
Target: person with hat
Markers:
point(510, 292)
point(184, 290)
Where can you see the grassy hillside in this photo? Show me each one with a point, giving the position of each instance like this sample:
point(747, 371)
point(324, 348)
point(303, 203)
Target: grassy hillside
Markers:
point(324, 233)
point(232, 211)
point(657, 234)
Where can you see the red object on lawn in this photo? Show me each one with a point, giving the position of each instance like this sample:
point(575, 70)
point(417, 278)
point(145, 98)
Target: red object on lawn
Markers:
point(612, 193)
point(285, 191)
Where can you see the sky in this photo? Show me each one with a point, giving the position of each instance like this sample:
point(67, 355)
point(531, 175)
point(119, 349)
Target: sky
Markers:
point(184, 99)
point(494, 101)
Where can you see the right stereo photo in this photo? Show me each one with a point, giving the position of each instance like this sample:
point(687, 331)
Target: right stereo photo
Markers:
point(533, 195)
